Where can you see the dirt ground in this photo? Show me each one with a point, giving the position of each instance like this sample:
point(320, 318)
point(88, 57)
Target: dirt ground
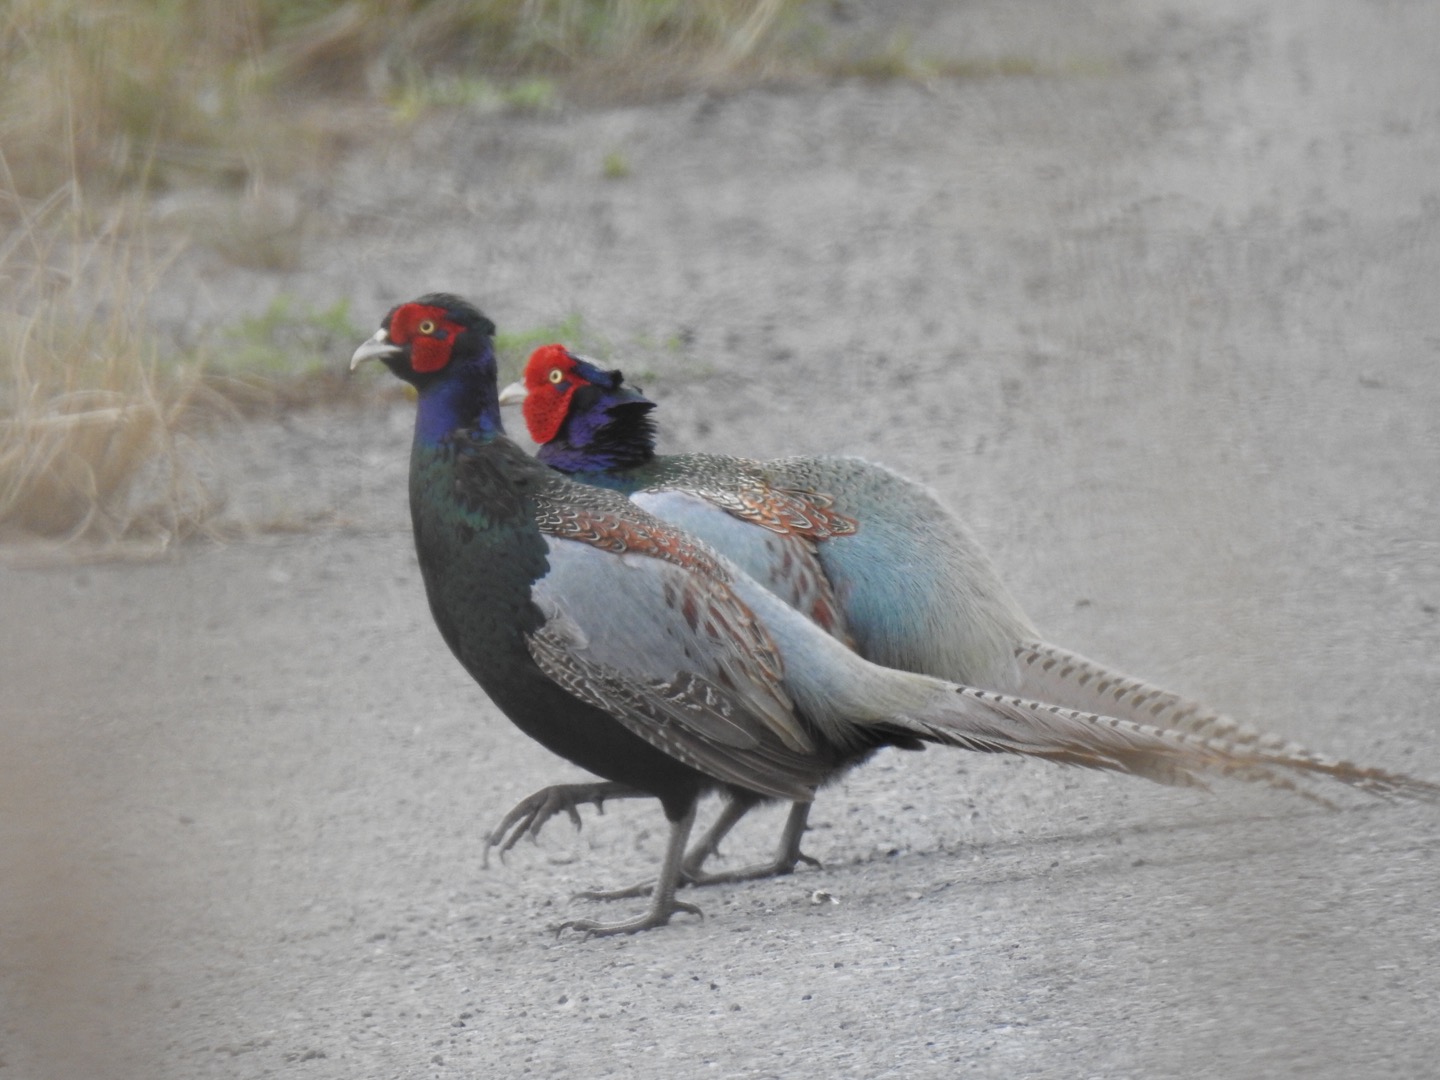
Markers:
point(1159, 319)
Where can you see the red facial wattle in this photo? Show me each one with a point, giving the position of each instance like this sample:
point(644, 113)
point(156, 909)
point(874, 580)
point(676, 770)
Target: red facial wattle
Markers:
point(550, 382)
point(429, 333)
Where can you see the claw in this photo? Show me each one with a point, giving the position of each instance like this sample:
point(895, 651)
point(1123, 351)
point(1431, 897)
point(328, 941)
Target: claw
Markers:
point(654, 917)
point(530, 814)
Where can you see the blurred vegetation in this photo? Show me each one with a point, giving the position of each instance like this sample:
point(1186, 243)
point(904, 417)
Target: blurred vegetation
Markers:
point(288, 338)
point(155, 92)
point(105, 104)
point(513, 348)
point(92, 438)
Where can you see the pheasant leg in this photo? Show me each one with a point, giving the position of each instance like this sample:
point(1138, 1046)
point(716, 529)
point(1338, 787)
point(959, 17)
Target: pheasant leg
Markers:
point(787, 856)
point(663, 904)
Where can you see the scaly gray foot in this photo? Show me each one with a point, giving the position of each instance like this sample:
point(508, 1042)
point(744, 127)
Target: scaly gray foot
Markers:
point(775, 868)
point(786, 858)
point(530, 814)
point(658, 915)
point(664, 903)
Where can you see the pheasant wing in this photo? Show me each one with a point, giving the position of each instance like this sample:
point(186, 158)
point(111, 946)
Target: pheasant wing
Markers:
point(676, 657)
point(784, 562)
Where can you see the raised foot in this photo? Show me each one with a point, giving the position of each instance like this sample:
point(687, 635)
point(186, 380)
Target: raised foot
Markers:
point(658, 915)
point(530, 814)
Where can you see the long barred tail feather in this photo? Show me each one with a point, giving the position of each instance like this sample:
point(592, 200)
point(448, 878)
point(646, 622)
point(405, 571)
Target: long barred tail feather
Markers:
point(1050, 673)
point(999, 723)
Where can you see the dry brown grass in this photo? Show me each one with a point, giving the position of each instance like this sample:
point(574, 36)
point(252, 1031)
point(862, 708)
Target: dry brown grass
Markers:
point(115, 92)
point(103, 102)
point(92, 444)
point(159, 93)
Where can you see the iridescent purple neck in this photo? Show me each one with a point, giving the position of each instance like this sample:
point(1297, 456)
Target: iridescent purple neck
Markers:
point(463, 395)
point(606, 429)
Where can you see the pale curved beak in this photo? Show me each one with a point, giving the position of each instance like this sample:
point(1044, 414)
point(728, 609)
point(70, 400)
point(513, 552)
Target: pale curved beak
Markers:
point(513, 394)
point(377, 348)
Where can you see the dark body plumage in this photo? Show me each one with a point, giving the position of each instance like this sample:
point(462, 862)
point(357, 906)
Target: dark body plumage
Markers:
point(492, 525)
point(476, 504)
point(870, 555)
point(631, 648)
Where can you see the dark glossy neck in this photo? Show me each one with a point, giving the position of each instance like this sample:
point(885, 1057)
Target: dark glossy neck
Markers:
point(605, 437)
point(465, 398)
point(593, 459)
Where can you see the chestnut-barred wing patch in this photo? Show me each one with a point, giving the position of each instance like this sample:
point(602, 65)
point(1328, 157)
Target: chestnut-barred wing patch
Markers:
point(800, 513)
point(791, 500)
point(626, 534)
point(786, 563)
point(796, 575)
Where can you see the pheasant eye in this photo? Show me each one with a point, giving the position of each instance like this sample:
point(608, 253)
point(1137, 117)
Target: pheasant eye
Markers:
point(557, 376)
point(426, 327)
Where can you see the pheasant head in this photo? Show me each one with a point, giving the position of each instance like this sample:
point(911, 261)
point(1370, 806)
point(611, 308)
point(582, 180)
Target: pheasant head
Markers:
point(443, 346)
point(584, 418)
